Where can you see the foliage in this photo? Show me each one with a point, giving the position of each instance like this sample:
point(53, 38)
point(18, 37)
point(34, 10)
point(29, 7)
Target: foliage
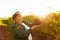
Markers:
point(32, 19)
point(29, 18)
point(7, 21)
point(50, 30)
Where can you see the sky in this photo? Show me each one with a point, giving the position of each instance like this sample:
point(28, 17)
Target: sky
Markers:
point(37, 7)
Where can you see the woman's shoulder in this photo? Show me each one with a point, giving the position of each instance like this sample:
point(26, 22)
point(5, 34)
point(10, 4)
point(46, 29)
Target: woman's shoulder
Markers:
point(13, 23)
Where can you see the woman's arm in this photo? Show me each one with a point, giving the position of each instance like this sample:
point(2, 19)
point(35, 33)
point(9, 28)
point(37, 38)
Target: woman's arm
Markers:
point(27, 23)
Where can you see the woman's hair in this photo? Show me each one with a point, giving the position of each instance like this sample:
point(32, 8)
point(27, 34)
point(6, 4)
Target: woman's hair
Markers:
point(14, 15)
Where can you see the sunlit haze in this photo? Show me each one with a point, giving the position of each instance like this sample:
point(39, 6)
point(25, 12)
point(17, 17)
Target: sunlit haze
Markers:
point(38, 7)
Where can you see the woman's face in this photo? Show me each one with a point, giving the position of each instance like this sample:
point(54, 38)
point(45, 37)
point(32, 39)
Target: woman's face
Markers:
point(18, 18)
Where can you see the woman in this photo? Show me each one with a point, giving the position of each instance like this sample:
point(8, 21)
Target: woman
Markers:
point(18, 29)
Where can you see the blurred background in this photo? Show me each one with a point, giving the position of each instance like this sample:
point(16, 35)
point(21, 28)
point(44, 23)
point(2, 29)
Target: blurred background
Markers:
point(48, 28)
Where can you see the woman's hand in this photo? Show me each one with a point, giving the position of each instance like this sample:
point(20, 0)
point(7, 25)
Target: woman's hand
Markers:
point(35, 26)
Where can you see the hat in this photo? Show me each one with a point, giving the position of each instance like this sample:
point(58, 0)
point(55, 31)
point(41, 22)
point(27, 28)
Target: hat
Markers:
point(15, 13)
